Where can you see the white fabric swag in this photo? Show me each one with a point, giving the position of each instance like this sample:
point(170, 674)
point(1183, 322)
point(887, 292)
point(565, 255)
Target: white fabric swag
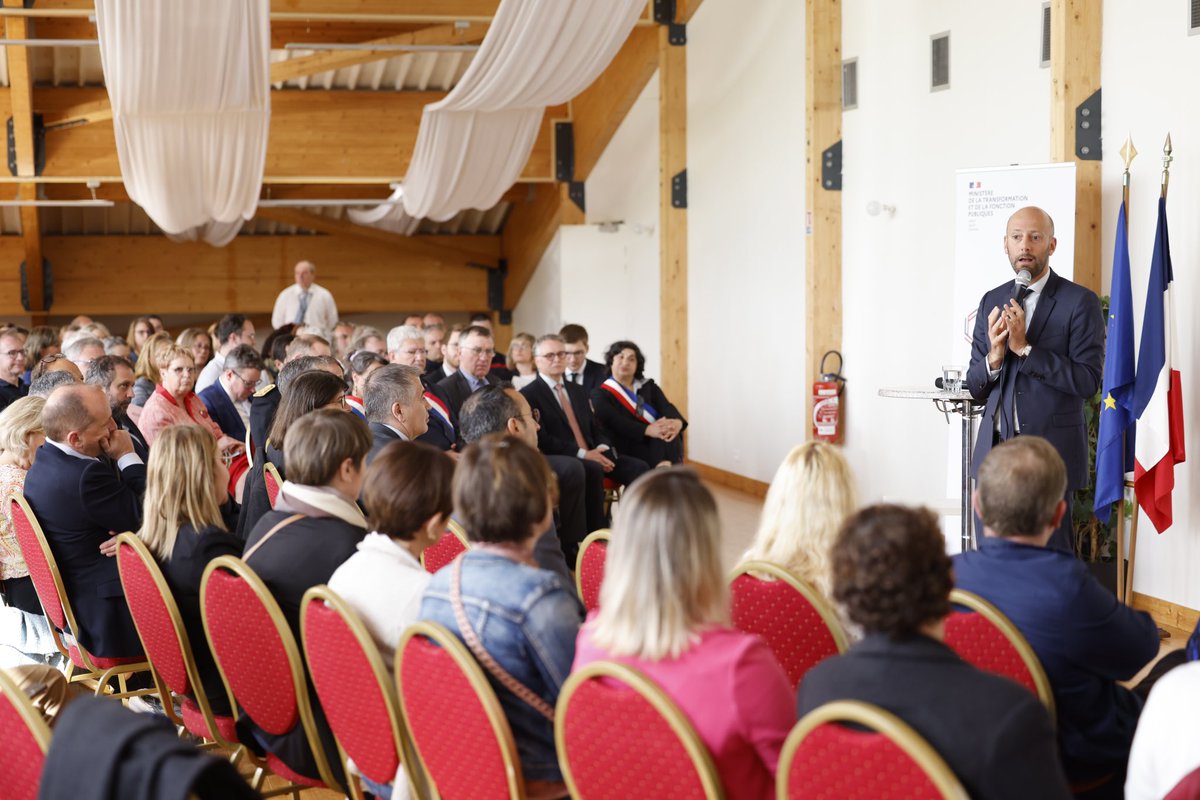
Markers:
point(473, 144)
point(189, 84)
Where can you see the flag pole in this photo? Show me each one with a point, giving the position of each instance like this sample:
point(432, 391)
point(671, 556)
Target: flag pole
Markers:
point(1128, 153)
point(1133, 528)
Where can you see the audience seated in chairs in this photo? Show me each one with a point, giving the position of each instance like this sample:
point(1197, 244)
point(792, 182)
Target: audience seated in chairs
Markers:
point(24, 633)
point(12, 367)
point(810, 497)
point(86, 483)
point(314, 528)
point(519, 360)
point(140, 331)
point(639, 418)
point(233, 330)
point(581, 370)
point(475, 350)
point(1163, 755)
point(46, 383)
point(148, 371)
point(186, 526)
point(266, 400)
point(518, 617)
point(664, 610)
point(306, 391)
point(41, 342)
point(115, 376)
point(199, 343)
point(1084, 637)
point(893, 577)
point(395, 406)
point(408, 499)
point(228, 398)
point(362, 364)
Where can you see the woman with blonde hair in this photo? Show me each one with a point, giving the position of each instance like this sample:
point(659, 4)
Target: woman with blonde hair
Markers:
point(186, 527)
point(664, 610)
point(810, 497)
point(140, 330)
point(520, 360)
point(148, 371)
point(199, 343)
point(23, 626)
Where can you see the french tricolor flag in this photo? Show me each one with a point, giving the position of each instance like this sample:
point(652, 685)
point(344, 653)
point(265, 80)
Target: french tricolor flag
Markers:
point(1157, 396)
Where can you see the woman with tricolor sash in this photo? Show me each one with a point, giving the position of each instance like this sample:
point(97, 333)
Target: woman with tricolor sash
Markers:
point(637, 415)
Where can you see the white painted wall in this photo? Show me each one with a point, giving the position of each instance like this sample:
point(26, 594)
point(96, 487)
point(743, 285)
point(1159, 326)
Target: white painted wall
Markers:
point(1146, 56)
point(746, 234)
point(540, 307)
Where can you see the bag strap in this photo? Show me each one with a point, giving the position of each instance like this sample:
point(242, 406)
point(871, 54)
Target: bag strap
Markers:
point(484, 657)
point(246, 555)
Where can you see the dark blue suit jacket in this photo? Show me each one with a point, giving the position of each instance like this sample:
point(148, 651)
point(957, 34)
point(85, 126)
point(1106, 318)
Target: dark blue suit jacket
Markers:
point(223, 412)
point(1050, 386)
point(1085, 639)
point(78, 502)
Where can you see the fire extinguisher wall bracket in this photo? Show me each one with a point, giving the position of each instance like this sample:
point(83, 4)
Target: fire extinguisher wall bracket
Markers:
point(835, 376)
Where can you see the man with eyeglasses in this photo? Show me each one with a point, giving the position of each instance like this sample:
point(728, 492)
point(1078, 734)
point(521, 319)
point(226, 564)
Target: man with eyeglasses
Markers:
point(232, 331)
point(12, 366)
point(475, 350)
point(568, 428)
point(83, 351)
point(581, 370)
point(228, 400)
point(406, 346)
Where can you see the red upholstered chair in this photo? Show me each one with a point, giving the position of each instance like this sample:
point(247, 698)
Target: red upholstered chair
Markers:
point(166, 642)
point(272, 481)
point(985, 638)
point(91, 670)
point(619, 735)
point(26, 738)
point(795, 621)
point(446, 549)
point(355, 689)
point(1186, 789)
point(453, 718)
point(589, 568)
point(888, 761)
point(259, 660)
point(612, 495)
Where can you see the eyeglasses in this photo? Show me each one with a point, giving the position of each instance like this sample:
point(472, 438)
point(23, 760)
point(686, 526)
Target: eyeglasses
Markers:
point(14, 354)
point(419, 351)
point(182, 370)
point(244, 379)
point(553, 356)
point(479, 351)
point(535, 413)
point(50, 359)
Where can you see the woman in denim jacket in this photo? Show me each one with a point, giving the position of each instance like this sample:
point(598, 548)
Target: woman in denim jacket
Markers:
point(526, 618)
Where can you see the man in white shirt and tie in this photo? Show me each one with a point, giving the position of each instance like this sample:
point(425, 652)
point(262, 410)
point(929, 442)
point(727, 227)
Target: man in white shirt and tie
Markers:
point(305, 302)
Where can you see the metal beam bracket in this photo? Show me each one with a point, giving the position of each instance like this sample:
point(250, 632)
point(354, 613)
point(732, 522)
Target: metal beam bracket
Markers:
point(679, 190)
point(47, 287)
point(677, 34)
point(39, 146)
point(1087, 129)
point(495, 287)
point(564, 151)
point(577, 193)
point(664, 12)
point(831, 167)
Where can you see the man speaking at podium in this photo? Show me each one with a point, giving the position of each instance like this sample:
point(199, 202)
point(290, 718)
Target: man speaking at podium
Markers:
point(1036, 356)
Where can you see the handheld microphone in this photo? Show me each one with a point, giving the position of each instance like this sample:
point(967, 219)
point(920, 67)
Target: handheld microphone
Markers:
point(1022, 282)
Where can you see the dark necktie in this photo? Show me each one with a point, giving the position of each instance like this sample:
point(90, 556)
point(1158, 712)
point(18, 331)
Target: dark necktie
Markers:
point(1022, 293)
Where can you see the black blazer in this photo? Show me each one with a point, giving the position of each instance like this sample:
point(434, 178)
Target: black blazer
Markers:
point(183, 570)
point(139, 441)
point(223, 412)
point(457, 390)
point(381, 437)
point(555, 437)
point(263, 406)
point(255, 500)
point(993, 733)
point(78, 501)
point(627, 431)
point(594, 374)
point(441, 435)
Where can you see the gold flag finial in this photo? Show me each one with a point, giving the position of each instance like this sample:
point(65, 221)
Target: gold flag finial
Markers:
point(1166, 159)
point(1128, 153)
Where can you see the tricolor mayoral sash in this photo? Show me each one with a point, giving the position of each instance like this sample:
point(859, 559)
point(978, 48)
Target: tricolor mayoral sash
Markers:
point(630, 401)
point(440, 410)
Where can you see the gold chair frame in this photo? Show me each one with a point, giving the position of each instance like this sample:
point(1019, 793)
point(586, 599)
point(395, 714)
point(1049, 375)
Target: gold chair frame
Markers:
point(600, 534)
point(95, 677)
point(977, 604)
point(387, 687)
point(462, 657)
point(185, 647)
point(881, 722)
point(26, 711)
point(295, 664)
point(815, 599)
point(273, 471)
point(636, 680)
point(249, 450)
point(460, 533)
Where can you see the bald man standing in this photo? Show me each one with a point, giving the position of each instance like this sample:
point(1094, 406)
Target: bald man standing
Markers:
point(1037, 355)
point(305, 302)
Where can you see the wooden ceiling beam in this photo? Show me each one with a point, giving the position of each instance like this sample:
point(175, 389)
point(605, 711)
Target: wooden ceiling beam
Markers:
point(528, 232)
point(325, 60)
point(363, 11)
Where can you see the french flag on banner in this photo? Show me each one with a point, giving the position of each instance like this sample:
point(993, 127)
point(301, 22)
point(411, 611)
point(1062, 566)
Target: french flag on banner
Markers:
point(1157, 396)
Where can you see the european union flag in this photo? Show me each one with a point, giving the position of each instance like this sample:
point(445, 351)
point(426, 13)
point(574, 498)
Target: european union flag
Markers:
point(1113, 457)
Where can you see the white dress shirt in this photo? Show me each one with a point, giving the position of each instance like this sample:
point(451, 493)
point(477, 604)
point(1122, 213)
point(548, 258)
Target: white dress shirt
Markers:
point(1163, 752)
point(322, 310)
point(127, 460)
point(212, 370)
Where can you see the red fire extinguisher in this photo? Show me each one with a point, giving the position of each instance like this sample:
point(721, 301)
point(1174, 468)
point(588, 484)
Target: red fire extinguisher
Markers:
point(826, 402)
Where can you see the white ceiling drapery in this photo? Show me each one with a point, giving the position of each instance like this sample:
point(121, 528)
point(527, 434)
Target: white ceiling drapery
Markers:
point(189, 84)
point(473, 144)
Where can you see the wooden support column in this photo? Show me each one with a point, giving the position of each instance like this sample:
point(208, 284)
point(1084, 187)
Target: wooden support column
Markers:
point(1075, 76)
point(21, 103)
point(823, 126)
point(673, 277)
